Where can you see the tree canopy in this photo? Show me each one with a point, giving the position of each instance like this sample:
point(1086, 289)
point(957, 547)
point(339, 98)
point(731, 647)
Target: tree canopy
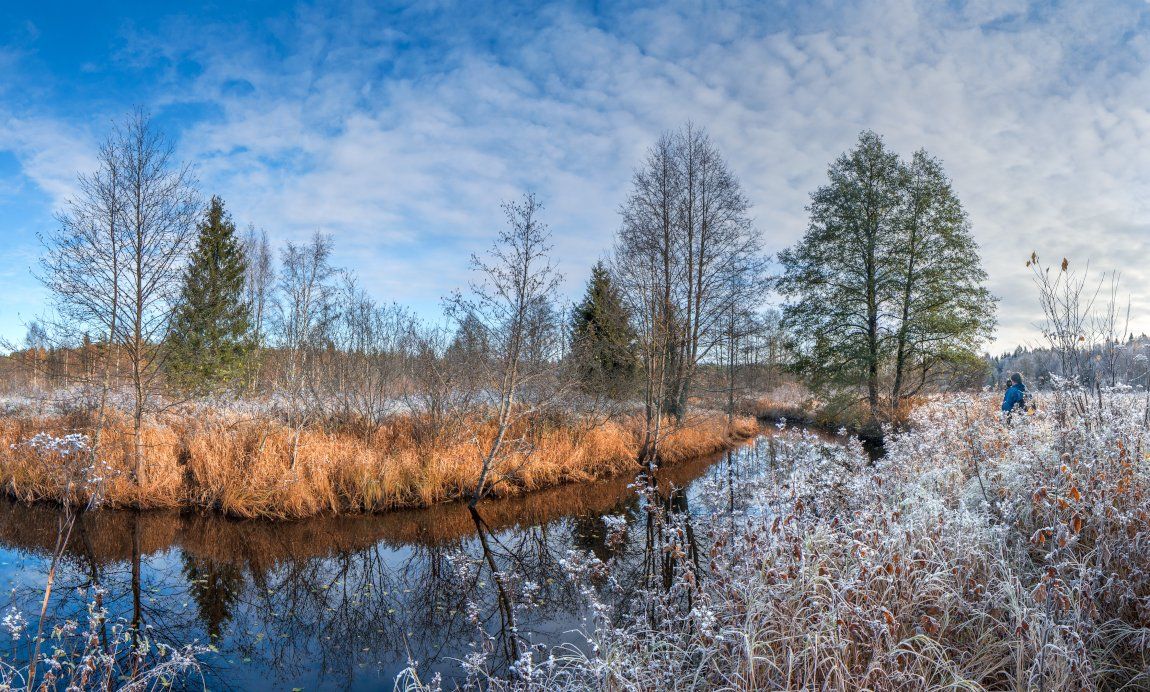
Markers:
point(602, 338)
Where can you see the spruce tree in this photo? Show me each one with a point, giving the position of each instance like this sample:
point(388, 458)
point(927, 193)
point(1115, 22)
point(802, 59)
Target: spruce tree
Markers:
point(210, 339)
point(602, 338)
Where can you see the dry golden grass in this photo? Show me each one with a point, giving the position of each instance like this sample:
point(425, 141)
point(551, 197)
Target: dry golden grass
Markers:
point(702, 435)
point(789, 401)
point(261, 468)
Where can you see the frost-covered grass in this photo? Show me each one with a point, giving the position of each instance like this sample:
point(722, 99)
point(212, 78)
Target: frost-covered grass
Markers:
point(973, 556)
point(97, 653)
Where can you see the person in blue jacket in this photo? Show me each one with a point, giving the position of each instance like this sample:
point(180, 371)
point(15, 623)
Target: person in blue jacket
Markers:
point(1015, 398)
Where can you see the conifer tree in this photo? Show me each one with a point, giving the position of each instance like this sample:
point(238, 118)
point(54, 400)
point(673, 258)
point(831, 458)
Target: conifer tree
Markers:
point(602, 338)
point(210, 339)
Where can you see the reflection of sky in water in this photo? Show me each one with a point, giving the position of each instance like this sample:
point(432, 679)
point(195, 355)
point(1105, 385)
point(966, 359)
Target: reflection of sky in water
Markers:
point(343, 602)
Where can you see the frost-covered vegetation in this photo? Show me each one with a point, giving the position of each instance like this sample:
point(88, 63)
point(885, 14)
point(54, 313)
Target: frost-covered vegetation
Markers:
point(96, 653)
point(974, 555)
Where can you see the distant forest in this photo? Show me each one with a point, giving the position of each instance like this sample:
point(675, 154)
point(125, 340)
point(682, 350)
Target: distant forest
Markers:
point(1112, 363)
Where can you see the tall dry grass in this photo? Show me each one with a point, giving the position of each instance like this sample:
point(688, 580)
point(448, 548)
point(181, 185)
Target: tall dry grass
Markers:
point(263, 468)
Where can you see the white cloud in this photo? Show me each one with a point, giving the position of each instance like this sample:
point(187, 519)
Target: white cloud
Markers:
point(50, 152)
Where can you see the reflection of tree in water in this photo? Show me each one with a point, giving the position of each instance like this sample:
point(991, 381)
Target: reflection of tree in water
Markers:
point(216, 588)
point(666, 546)
point(316, 615)
point(507, 639)
point(135, 587)
point(590, 533)
point(363, 613)
point(670, 548)
point(515, 586)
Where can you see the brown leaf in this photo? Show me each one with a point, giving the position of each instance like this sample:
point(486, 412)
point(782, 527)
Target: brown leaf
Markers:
point(929, 624)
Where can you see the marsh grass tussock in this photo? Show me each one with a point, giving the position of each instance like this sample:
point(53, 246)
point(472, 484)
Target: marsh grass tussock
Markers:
point(973, 556)
point(254, 466)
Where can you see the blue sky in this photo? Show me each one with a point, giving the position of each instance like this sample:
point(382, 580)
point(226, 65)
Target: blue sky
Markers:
point(399, 128)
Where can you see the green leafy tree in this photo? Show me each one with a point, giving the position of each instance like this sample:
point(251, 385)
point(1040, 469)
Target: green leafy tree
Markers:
point(945, 313)
point(603, 340)
point(885, 289)
point(211, 339)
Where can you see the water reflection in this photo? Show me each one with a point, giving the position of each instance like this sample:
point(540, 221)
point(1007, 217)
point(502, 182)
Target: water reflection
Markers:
point(346, 602)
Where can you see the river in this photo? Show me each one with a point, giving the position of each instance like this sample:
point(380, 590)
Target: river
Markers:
point(345, 602)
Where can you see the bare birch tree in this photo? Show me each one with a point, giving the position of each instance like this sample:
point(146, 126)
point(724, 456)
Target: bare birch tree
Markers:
point(1068, 299)
point(685, 254)
point(646, 270)
point(517, 287)
point(304, 312)
point(113, 265)
point(258, 285)
point(260, 277)
point(1112, 325)
point(361, 374)
point(82, 267)
point(161, 207)
point(441, 383)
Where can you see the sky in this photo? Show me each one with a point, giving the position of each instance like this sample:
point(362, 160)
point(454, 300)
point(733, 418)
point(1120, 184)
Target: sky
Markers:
point(398, 128)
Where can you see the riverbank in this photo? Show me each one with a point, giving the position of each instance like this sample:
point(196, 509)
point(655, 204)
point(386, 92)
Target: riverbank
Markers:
point(105, 537)
point(805, 412)
point(258, 467)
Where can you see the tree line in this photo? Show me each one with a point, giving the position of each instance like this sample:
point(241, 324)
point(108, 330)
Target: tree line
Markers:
point(158, 298)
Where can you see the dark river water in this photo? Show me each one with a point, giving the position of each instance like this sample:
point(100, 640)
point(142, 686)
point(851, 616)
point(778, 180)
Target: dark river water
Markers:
point(345, 602)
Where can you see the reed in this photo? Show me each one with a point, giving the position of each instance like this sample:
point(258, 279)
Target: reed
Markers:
point(259, 467)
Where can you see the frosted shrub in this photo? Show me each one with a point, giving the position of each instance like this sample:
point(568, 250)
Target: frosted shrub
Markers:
point(99, 655)
point(68, 460)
